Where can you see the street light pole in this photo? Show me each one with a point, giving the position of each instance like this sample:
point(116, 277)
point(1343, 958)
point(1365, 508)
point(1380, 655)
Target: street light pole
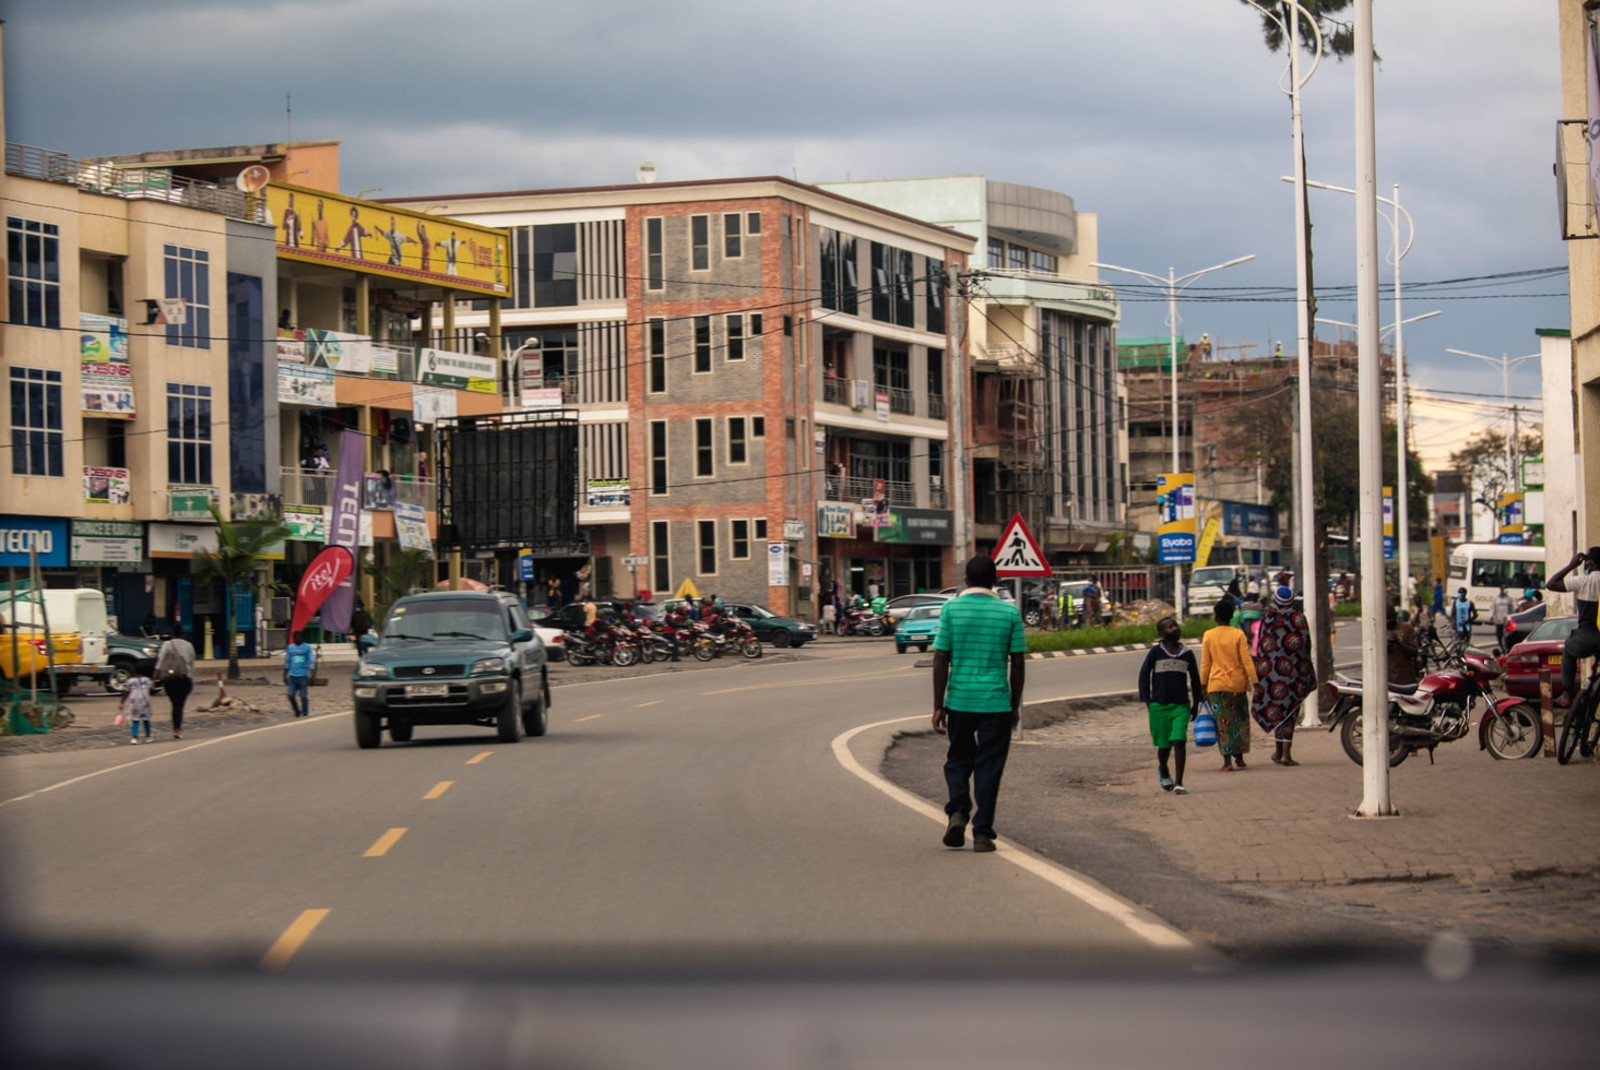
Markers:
point(1173, 283)
point(1505, 363)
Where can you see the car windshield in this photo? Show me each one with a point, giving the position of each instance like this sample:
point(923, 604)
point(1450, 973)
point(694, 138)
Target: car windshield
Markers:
point(926, 612)
point(760, 611)
point(1554, 628)
point(1204, 576)
point(445, 619)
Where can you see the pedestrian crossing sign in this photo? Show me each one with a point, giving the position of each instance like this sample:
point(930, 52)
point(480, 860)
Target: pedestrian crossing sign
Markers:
point(687, 589)
point(1017, 553)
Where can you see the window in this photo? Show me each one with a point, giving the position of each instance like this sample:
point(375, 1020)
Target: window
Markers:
point(1044, 262)
point(704, 449)
point(788, 326)
point(892, 286)
point(661, 555)
point(935, 316)
point(658, 457)
point(737, 453)
point(189, 434)
point(700, 242)
point(188, 275)
point(657, 331)
point(736, 336)
point(555, 265)
point(758, 427)
point(33, 273)
point(755, 325)
point(837, 260)
point(36, 438)
point(761, 528)
point(752, 223)
point(706, 543)
point(732, 236)
point(1018, 260)
point(935, 462)
point(997, 254)
point(702, 344)
point(936, 373)
point(739, 540)
point(654, 277)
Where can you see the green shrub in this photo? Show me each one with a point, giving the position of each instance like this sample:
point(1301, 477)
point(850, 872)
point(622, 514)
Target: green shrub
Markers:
point(1117, 635)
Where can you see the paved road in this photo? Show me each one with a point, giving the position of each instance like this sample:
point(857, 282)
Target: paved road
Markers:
point(699, 810)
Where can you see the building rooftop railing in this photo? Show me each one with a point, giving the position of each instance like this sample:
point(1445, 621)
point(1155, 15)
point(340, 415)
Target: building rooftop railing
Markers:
point(132, 183)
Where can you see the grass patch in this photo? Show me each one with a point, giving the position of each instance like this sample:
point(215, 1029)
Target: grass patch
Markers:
point(1347, 609)
point(1117, 635)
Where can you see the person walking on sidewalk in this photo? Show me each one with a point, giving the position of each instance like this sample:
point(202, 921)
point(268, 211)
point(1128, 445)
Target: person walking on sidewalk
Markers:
point(1227, 676)
point(1285, 672)
point(1500, 611)
point(175, 670)
point(975, 700)
point(1584, 639)
point(135, 705)
point(299, 662)
point(1170, 688)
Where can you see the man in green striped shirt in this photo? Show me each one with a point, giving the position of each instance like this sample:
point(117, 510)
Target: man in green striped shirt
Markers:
point(976, 700)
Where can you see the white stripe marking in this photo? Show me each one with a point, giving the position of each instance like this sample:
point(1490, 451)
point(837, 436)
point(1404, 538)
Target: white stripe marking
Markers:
point(1146, 926)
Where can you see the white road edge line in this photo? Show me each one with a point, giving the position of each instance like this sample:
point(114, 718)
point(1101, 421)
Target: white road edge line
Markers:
point(1143, 925)
point(171, 753)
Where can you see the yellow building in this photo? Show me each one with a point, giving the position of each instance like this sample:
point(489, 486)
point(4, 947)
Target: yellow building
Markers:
point(1572, 401)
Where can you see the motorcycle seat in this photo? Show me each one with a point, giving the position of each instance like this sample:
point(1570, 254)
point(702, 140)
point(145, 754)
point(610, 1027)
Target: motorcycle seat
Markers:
point(1402, 689)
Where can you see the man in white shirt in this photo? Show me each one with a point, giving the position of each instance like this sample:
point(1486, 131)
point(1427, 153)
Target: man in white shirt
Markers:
point(1584, 640)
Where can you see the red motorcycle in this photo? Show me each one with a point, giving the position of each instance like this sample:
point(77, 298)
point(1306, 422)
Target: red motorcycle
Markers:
point(1439, 710)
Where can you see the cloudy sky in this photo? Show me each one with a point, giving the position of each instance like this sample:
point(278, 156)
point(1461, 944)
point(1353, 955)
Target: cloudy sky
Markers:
point(1163, 116)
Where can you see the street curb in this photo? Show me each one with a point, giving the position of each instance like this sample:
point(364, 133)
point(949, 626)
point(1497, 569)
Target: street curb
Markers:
point(1089, 650)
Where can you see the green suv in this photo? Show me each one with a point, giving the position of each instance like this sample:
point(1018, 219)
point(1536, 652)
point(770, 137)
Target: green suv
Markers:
point(448, 658)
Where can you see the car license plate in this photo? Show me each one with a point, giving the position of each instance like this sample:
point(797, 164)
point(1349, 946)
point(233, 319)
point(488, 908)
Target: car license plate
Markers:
point(426, 690)
point(1552, 659)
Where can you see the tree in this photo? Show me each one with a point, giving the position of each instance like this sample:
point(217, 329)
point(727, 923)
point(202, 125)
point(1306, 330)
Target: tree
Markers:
point(1483, 462)
point(406, 570)
point(241, 551)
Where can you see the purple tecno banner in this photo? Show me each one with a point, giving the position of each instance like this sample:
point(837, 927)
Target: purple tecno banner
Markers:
point(344, 528)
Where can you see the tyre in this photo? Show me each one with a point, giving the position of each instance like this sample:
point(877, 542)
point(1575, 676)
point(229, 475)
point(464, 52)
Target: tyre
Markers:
point(1573, 730)
point(780, 638)
point(1516, 733)
point(120, 675)
point(625, 654)
point(751, 648)
point(536, 719)
point(1032, 618)
point(508, 722)
point(922, 647)
point(400, 731)
point(875, 628)
point(368, 734)
point(704, 649)
point(899, 648)
point(1350, 737)
point(647, 653)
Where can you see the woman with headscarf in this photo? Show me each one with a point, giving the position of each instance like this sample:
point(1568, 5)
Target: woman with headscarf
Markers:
point(1286, 671)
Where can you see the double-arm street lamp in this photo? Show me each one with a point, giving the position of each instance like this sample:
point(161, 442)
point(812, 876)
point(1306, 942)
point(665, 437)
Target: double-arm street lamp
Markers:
point(1173, 284)
point(1505, 363)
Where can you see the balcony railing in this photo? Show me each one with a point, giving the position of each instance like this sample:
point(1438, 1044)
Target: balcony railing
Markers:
point(936, 409)
point(835, 391)
point(304, 487)
point(407, 490)
point(132, 183)
point(902, 401)
point(857, 489)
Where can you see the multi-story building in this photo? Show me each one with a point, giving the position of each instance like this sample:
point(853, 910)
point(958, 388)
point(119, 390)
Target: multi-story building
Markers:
point(1047, 437)
point(754, 363)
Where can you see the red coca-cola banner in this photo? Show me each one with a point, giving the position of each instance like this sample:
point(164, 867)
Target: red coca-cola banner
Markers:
point(327, 570)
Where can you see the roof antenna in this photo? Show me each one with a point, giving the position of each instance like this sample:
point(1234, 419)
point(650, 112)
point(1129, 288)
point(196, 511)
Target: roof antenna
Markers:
point(288, 120)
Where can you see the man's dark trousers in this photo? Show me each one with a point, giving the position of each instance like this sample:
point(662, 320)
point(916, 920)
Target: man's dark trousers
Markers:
point(979, 743)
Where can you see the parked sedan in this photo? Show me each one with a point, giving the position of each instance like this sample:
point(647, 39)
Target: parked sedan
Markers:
point(1542, 648)
point(771, 628)
point(1522, 625)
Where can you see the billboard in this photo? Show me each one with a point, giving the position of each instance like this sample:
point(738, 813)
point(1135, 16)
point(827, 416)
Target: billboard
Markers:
point(1175, 534)
point(1508, 511)
point(922, 527)
point(318, 227)
point(508, 480)
point(103, 369)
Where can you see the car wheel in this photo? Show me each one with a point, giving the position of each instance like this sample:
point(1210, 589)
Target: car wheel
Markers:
point(120, 675)
point(508, 722)
point(400, 731)
point(899, 648)
point(1031, 618)
point(536, 721)
point(922, 647)
point(780, 638)
point(875, 629)
point(368, 732)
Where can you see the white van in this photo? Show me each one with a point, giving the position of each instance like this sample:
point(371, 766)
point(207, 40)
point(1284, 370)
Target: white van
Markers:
point(1485, 567)
point(1208, 584)
point(79, 628)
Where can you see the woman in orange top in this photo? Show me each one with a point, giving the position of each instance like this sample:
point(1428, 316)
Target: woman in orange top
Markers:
point(1228, 673)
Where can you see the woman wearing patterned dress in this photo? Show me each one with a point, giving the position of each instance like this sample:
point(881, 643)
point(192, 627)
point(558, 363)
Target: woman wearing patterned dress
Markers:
point(1287, 673)
point(1227, 674)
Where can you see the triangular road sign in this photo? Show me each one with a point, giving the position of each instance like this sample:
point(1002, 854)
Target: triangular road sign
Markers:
point(687, 589)
point(1017, 554)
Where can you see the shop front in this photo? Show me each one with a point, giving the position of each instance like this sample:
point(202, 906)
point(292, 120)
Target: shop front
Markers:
point(903, 551)
point(112, 551)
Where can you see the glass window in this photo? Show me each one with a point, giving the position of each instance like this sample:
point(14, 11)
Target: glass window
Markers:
point(935, 289)
point(555, 265)
point(661, 555)
point(702, 344)
point(752, 223)
point(1018, 258)
point(737, 453)
point(188, 275)
point(700, 242)
point(739, 542)
point(936, 373)
point(882, 295)
point(1044, 262)
point(732, 236)
point(755, 325)
point(657, 330)
point(33, 272)
point(658, 457)
point(704, 449)
point(736, 337)
point(761, 528)
point(707, 542)
point(189, 434)
point(758, 427)
point(36, 430)
point(654, 278)
point(997, 254)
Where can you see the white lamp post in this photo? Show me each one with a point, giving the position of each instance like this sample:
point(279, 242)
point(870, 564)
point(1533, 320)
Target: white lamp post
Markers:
point(1505, 363)
point(1174, 284)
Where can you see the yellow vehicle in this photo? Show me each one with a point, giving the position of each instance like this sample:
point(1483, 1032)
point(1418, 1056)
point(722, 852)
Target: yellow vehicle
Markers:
point(75, 640)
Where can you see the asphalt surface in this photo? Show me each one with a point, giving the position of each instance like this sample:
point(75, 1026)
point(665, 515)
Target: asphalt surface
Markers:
point(697, 811)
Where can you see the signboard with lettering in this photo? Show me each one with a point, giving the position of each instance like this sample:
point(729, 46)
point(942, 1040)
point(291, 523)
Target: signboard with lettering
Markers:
point(306, 523)
point(103, 369)
point(302, 384)
point(607, 494)
point(190, 503)
point(411, 525)
point(836, 521)
point(46, 535)
point(1175, 516)
point(919, 527)
point(777, 564)
point(107, 486)
point(180, 541)
point(463, 371)
point(107, 542)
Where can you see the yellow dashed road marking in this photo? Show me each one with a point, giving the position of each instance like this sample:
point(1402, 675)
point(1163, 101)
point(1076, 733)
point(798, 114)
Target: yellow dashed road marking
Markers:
point(386, 841)
point(279, 954)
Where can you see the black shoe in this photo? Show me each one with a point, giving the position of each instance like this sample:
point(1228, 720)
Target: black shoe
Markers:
point(982, 844)
point(955, 832)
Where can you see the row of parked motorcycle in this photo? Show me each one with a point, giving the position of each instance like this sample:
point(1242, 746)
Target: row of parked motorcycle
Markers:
point(622, 642)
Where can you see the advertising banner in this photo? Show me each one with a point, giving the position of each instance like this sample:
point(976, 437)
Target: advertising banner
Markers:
point(306, 524)
point(190, 503)
point(1208, 539)
point(46, 535)
point(302, 384)
point(462, 371)
point(376, 239)
point(1175, 535)
point(1388, 523)
point(777, 564)
point(431, 404)
point(1245, 520)
point(411, 525)
point(541, 397)
point(607, 494)
point(1509, 511)
point(322, 579)
point(180, 541)
point(291, 347)
point(836, 521)
point(107, 486)
point(881, 405)
point(919, 527)
point(346, 526)
point(386, 359)
point(107, 542)
point(349, 354)
point(105, 375)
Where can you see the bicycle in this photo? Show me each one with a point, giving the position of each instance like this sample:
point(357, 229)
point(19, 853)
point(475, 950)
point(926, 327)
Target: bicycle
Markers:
point(1437, 652)
point(1581, 730)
